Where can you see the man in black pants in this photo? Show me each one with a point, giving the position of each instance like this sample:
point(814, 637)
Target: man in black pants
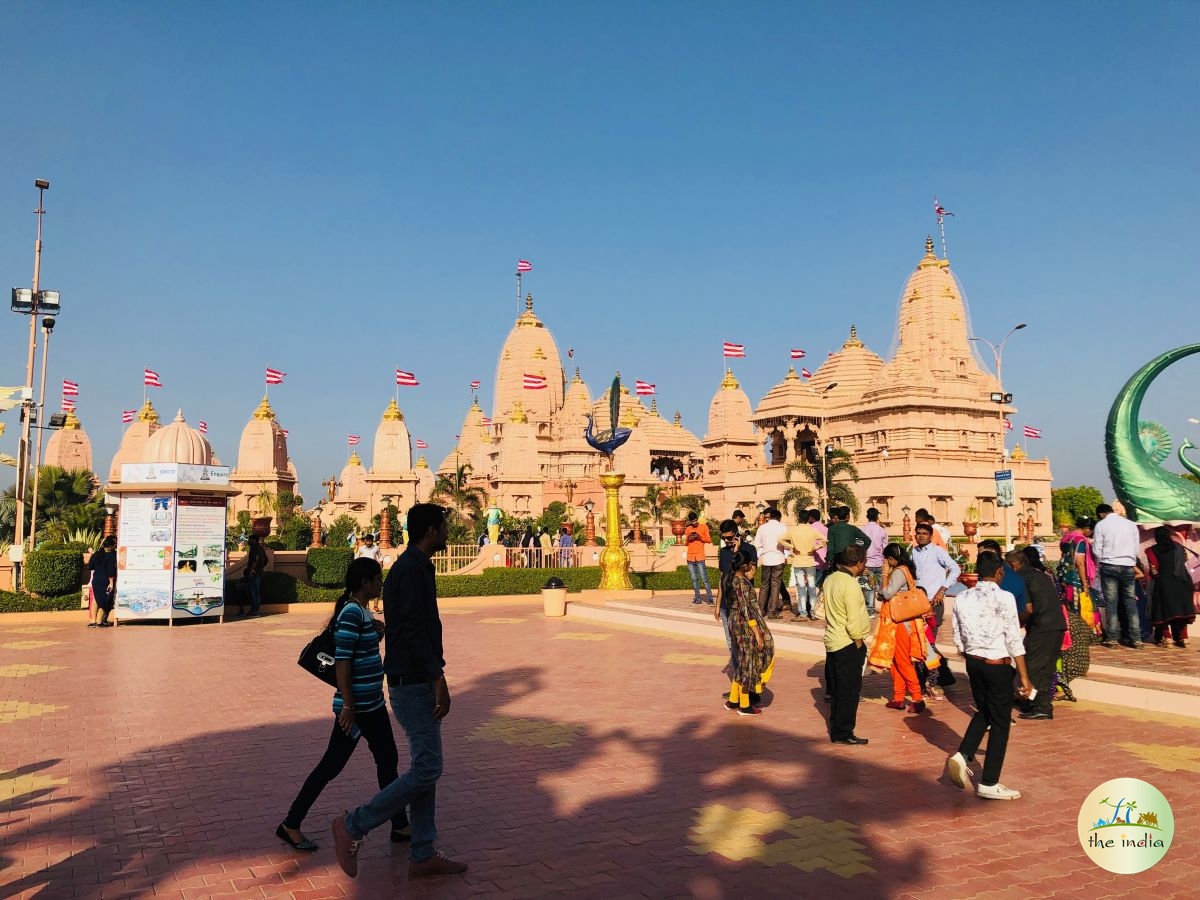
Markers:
point(1044, 627)
point(988, 633)
point(846, 629)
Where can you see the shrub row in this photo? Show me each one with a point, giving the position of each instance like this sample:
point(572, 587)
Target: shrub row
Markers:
point(11, 602)
point(327, 565)
point(54, 571)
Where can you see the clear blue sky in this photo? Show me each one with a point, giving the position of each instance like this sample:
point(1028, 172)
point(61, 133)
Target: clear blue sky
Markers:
point(340, 190)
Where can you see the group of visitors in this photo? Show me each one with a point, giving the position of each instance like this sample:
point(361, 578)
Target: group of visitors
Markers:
point(538, 548)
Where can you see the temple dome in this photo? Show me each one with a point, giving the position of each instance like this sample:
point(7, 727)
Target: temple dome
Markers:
point(178, 443)
point(729, 412)
point(69, 446)
point(852, 369)
point(571, 420)
point(474, 435)
point(263, 447)
point(133, 441)
point(790, 397)
point(354, 481)
point(393, 453)
point(664, 436)
point(529, 349)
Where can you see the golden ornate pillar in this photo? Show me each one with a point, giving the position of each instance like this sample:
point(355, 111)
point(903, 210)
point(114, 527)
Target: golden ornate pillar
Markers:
point(614, 561)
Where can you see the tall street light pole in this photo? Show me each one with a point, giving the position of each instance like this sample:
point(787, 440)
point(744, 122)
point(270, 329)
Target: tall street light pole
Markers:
point(825, 451)
point(23, 451)
point(1001, 399)
point(47, 328)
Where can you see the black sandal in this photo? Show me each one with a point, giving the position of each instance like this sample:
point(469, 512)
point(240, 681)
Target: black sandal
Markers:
point(304, 845)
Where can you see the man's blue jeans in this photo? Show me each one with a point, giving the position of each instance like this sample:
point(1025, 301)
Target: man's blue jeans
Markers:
point(699, 572)
point(1117, 583)
point(416, 788)
point(254, 589)
point(804, 580)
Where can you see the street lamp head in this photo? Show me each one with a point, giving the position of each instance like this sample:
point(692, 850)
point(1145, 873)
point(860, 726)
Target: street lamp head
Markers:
point(41, 184)
point(1019, 326)
point(48, 323)
point(997, 397)
point(58, 420)
point(829, 387)
point(588, 506)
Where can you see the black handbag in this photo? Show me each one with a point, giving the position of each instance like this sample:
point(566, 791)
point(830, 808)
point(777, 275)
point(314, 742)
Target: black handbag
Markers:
point(317, 658)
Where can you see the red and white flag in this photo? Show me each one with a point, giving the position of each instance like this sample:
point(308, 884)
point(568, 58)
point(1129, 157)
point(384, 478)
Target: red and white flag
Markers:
point(644, 388)
point(406, 379)
point(804, 373)
point(150, 379)
point(524, 265)
point(203, 427)
point(352, 439)
point(535, 382)
point(421, 445)
point(68, 405)
point(486, 423)
point(735, 350)
point(475, 385)
point(939, 210)
point(127, 415)
point(1031, 432)
point(274, 376)
point(70, 388)
point(284, 432)
point(1008, 424)
point(798, 354)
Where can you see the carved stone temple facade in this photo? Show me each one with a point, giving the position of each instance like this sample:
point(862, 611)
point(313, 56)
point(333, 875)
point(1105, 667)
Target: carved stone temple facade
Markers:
point(921, 427)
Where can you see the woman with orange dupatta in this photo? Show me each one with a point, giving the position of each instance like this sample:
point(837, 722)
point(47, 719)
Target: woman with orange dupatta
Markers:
point(898, 645)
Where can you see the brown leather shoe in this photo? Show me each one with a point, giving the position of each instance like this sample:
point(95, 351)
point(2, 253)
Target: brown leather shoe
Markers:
point(435, 865)
point(345, 847)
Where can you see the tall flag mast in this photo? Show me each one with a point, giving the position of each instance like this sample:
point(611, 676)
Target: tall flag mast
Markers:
point(523, 266)
point(941, 212)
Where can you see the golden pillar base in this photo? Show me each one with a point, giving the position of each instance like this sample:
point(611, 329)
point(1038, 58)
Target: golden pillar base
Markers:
point(614, 561)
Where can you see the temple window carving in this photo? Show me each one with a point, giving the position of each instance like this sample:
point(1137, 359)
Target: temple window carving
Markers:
point(964, 439)
point(778, 448)
point(930, 438)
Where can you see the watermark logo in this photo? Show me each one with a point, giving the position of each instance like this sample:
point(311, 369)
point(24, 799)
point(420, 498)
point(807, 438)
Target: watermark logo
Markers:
point(1126, 825)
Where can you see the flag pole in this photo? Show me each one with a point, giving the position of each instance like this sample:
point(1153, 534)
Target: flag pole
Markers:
point(145, 396)
point(941, 223)
point(518, 293)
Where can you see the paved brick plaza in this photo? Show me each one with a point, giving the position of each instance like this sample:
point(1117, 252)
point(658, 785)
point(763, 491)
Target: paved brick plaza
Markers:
point(582, 760)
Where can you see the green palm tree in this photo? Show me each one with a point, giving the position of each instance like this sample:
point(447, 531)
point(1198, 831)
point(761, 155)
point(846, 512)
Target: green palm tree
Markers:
point(68, 500)
point(800, 497)
point(454, 491)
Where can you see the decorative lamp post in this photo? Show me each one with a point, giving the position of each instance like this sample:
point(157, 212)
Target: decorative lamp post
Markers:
point(589, 527)
point(316, 529)
point(1030, 524)
point(110, 519)
point(1001, 400)
point(907, 525)
point(614, 561)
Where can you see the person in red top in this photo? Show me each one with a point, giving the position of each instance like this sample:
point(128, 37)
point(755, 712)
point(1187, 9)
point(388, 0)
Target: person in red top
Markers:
point(696, 538)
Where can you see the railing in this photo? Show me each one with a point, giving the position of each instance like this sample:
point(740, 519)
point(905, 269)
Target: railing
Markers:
point(454, 557)
point(554, 558)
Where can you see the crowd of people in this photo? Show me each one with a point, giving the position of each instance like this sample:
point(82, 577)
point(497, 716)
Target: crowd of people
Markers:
point(1024, 630)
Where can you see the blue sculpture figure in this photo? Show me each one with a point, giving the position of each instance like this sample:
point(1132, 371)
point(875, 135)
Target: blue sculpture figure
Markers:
point(608, 441)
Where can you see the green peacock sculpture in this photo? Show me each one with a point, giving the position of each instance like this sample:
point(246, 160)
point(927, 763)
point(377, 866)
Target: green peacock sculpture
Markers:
point(1150, 493)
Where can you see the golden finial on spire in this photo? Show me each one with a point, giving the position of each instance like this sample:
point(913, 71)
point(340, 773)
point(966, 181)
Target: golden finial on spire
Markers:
point(422, 463)
point(392, 413)
point(354, 459)
point(853, 340)
point(791, 374)
point(578, 377)
point(264, 410)
point(529, 302)
point(72, 422)
point(148, 413)
point(929, 245)
point(518, 416)
point(730, 381)
point(678, 419)
point(654, 405)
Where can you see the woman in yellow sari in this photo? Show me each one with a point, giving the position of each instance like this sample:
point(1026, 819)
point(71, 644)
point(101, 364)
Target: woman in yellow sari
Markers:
point(899, 644)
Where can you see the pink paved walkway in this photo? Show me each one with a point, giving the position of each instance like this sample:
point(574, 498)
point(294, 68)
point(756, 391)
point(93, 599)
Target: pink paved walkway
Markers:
point(582, 760)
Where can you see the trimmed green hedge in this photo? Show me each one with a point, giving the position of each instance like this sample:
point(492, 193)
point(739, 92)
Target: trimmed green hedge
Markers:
point(54, 572)
point(677, 580)
point(327, 565)
point(496, 582)
point(10, 602)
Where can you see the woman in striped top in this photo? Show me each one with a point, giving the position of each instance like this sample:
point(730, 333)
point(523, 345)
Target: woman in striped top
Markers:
point(358, 706)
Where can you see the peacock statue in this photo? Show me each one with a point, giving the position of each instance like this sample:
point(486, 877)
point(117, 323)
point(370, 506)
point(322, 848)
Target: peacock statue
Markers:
point(608, 441)
point(1134, 450)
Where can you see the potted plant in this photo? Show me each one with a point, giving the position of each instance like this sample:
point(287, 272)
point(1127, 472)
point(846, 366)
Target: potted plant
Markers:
point(266, 501)
point(969, 576)
point(971, 522)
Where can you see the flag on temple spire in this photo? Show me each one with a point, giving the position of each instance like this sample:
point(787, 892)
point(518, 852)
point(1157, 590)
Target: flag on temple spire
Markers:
point(524, 265)
point(70, 388)
point(804, 373)
point(127, 415)
point(534, 382)
point(274, 376)
point(352, 439)
point(798, 354)
point(475, 385)
point(150, 379)
point(421, 445)
point(1008, 424)
point(203, 427)
point(406, 379)
point(734, 350)
point(1031, 432)
point(644, 388)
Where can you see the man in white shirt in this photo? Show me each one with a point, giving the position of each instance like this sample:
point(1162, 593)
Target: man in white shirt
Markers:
point(879, 539)
point(771, 558)
point(1115, 543)
point(988, 634)
point(936, 570)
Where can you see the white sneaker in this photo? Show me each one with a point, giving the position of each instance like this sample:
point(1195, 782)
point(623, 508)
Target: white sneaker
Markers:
point(958, 770)
point(997, 792)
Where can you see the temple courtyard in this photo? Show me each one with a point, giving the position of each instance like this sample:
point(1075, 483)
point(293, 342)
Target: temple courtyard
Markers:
point(586, 756)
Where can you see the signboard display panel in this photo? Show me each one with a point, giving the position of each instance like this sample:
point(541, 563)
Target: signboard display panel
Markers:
point(145, 556)
point(199, 588)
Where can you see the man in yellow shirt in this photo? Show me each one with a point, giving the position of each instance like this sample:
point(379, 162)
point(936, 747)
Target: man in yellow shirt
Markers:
point(846, 628)
point(804, 541)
